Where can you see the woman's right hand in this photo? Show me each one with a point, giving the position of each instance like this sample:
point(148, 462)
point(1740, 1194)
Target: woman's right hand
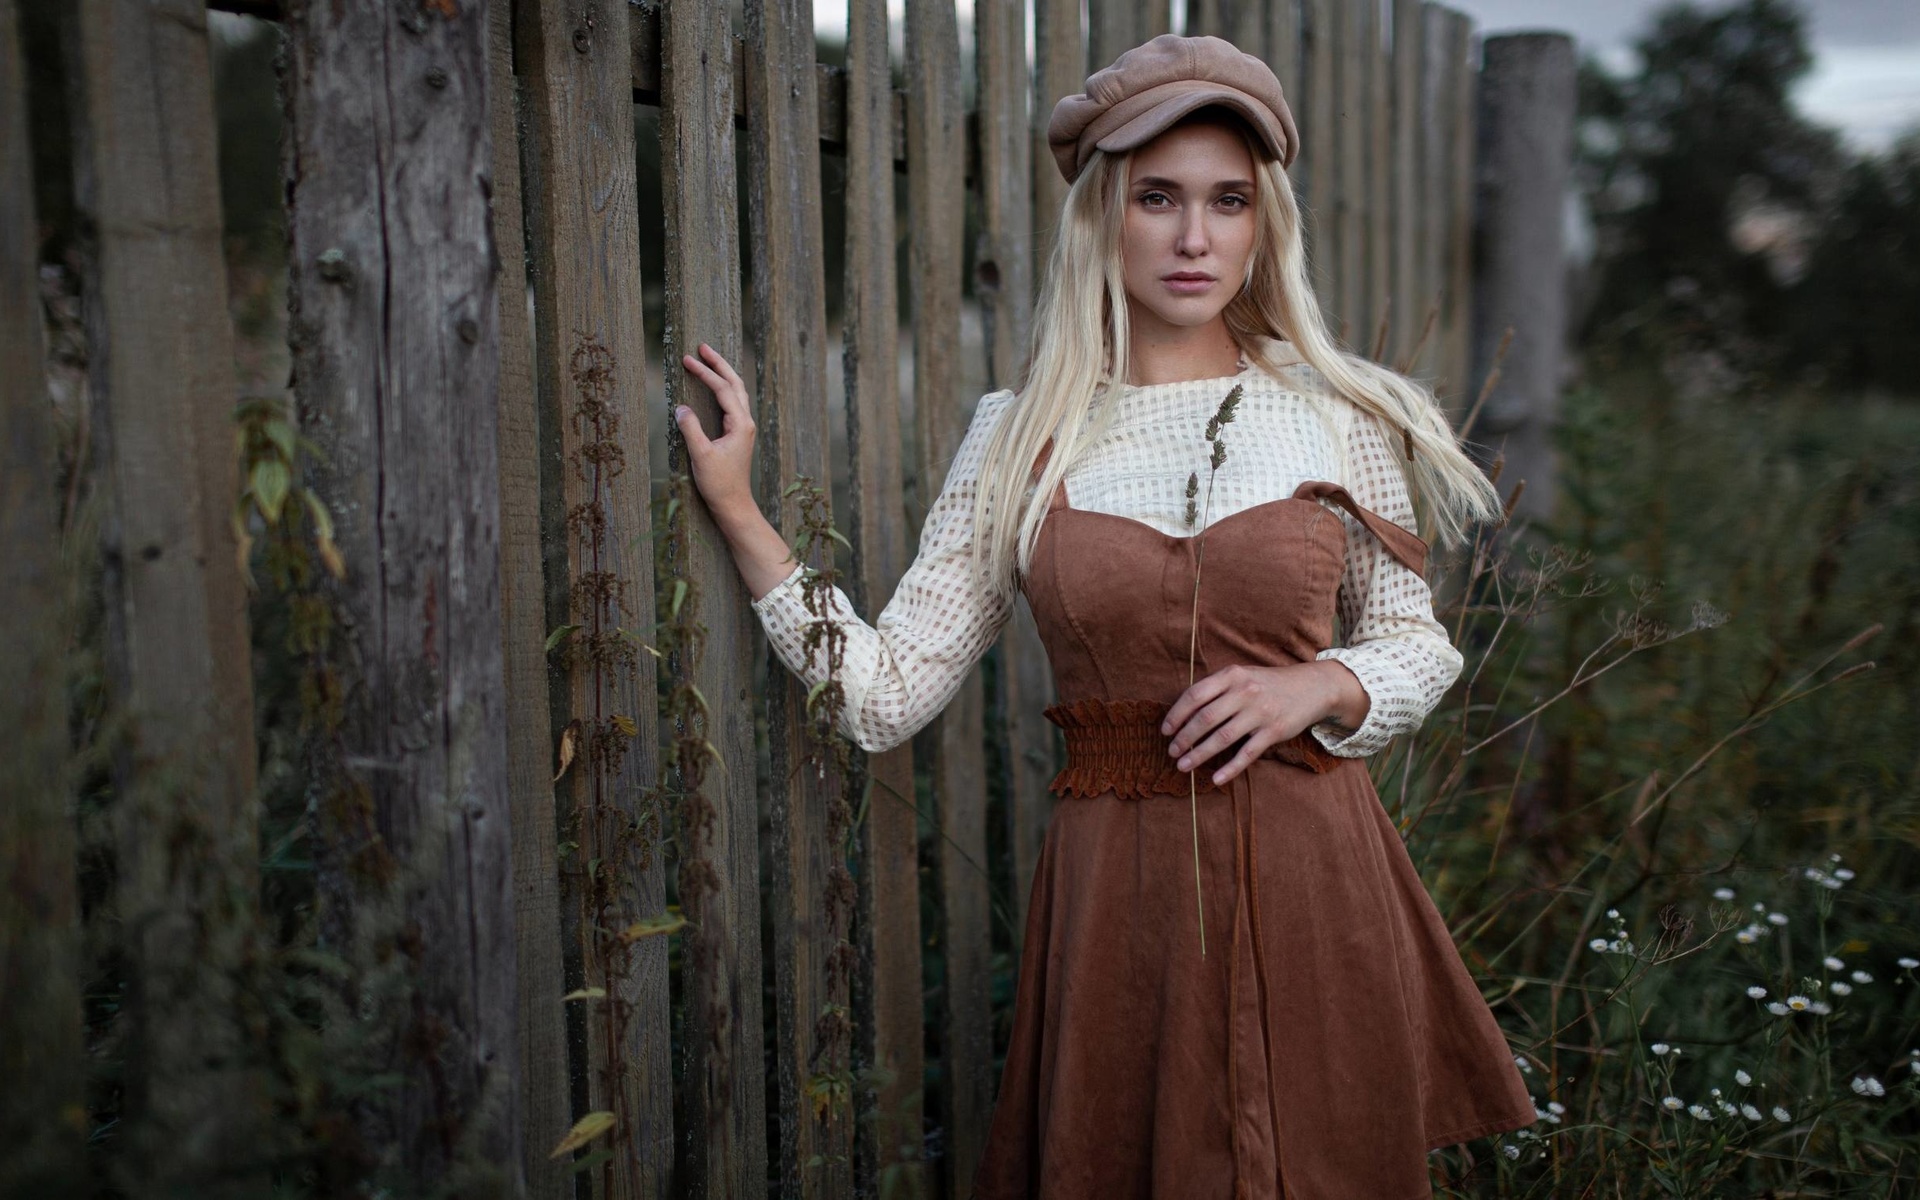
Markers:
point(722, 466)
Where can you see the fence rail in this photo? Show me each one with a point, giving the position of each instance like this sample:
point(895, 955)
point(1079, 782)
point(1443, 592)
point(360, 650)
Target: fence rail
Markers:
point(537, 666)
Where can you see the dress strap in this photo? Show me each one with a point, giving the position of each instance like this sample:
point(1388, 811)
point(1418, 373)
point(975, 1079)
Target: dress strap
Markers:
point(1405, 545)
point(1059, 500)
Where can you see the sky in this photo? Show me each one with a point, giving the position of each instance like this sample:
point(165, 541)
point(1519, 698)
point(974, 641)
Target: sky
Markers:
point(1865, 80)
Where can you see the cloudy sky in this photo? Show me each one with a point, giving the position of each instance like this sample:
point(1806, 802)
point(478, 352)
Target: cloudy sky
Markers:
point(1865, 81)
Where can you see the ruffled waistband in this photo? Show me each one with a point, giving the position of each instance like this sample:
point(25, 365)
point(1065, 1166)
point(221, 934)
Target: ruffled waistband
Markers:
point(1116, 746)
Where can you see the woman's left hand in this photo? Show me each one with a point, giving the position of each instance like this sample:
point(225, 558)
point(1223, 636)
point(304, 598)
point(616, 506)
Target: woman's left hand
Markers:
point(1264, 705)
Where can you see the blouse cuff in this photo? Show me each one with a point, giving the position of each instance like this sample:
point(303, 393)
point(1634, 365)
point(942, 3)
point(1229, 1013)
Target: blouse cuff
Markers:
point(782, 594)
point(1377, 730)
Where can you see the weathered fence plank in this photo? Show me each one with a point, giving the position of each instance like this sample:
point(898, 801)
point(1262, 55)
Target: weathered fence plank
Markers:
point(812, 892)
point(1059, 70)
point(395, 345)
point(1525, 148)
point(1116, 26)
point(1004, 281)
point(41, 1054)
point(1379, 209)
point(1320, 149)
point(590, 356)
point(1456, 322)
point(1242, 22)
point(1409, 307)
point(545, 1102)
point(163, 392)
point(1436, 156)
point(723, 1151)
point(1350, 165)
point(887, 1014)
point(953, 742)
point(1284, 44)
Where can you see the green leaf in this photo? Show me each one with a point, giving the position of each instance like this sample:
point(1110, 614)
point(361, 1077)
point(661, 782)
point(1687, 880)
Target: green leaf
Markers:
point(270, 481)
point(322, 519)
point(584, 1130)
point(679, 595)
point(653, 927)
point(559, 635)
point(593, 1160)
point(592, 993)
point(279, 431)
point(835, 535)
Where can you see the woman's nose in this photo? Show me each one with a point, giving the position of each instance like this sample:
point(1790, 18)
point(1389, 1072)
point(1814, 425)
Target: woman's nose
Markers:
point(1193, 234)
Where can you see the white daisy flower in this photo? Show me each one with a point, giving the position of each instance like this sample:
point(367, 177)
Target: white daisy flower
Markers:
point(1842, 988)
point(1673, 1103)
point(1907, 963)
point(1862, 977)
point(1814, 873)
point(1725, 1107)
point(1832, 882)
point(1749, 1112)
point(1742, 1078)
point(1699, 1113)
point(1759, 907)
point(1520, 1060)
point(1833, 964)
point(1597, 944)
point(1843, 873)
point(1776, 918)
point(1723, 893)
point(1799, 1003)
point(1781, 1114)
point(1613, 914)
point(1821, 1007)
point(1555, 1107)
point(1757, 992)
point(1660, 1047)
point(1510, 1150)
point(1867, 1085)
point(1778, 1009)
point(1747, 936)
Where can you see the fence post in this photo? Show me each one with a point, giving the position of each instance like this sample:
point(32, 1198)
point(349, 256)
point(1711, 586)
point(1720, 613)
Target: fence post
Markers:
point(1456, 319)
point(723, 1105)
point(936, 200)
point(1116, 26)
point(1528, 89)
point(545, 1098)
point(1435, 158)
point(395, 348)
point(1320, 150)
point(1409, 311)
point(1059, 71)
point(812, 901)
point(161, 347)
point(1242, 22)
point(42, 1118)
point(889, 1026)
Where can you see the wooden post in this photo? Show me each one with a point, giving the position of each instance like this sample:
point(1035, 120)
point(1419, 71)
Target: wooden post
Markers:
point(1404, 163)
point(1116, 26)
point(1528, 91)
point(42, 1112)
point(396, 358)
point(723, 1107)
point(1435, 159)
point(1242, 22)
point(953, 741)
point(577, 68)
point(888, 1024)
point(1456, 314)
point(1059, 71)
point(1350, 165)
point(1320, 151)
point(544, 1096)
point(163, 393)
point(1379, 228)
point(1284, 44)
point(811, 889)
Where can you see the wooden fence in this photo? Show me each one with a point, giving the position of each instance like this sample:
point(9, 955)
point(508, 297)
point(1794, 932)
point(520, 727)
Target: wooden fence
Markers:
point(532, 664)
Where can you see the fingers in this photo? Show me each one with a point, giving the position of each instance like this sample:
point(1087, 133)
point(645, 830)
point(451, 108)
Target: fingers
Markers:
point(1190, 700)
point(1226, 735)
point(1256, 746)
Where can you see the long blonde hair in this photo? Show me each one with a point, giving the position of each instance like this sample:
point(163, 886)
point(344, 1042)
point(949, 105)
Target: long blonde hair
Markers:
point(1080, 345)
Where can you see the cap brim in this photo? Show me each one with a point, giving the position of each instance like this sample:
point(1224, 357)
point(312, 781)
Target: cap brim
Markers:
point(1161, 116)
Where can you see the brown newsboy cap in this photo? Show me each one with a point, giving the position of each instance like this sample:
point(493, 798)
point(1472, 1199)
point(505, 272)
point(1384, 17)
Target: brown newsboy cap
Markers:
point(1150, 87)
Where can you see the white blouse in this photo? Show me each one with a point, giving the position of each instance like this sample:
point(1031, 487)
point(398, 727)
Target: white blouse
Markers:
point(899, 672)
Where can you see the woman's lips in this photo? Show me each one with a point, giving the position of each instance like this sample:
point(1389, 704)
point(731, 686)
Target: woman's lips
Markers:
point(1187, 283)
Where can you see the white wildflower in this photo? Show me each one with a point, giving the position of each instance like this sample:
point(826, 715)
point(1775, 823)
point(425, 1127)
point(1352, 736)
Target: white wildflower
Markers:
point(1660, 1048)
point(1673, 1103)
point(1510, 1150)
point(1799, 1003)
point(1520, 1060)
point(1843, 873)
point(1867, 1085)
point(1907, 963)
point(1776, 918)
point(1598, 944)
point(1833, 964)
point(1862, 977)
point(1749, 1112)
point(1555, 1107)
point(1778, 1009)
point(1613, 914)
point(1699, 1113)
point(1725, 1107)
point(1742, 1078)
point(1781, 1114)
point(1821, 1007)
point(1747, 936)
point(1832, 883)
point(1842, 988)
point(1757, 992)
point(1723, 893)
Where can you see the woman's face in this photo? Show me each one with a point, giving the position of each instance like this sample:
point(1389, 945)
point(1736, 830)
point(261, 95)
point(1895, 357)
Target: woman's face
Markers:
point(1188, 233)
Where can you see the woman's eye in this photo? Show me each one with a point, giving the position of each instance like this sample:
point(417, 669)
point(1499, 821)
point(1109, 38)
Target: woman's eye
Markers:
point(1153, 199)
point(1234, 200)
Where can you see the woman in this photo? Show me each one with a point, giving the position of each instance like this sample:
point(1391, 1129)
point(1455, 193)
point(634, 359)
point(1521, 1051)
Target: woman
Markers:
point(1329, 1035)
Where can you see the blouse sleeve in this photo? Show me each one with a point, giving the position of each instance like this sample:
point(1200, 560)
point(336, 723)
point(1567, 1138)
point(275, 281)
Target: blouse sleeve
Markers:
point(1396, 647)
point(899, 672)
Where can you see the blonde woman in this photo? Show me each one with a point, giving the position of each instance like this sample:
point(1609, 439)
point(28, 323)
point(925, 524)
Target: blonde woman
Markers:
point(1329, 1035)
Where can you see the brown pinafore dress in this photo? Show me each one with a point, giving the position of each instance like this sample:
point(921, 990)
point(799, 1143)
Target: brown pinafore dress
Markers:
point(1331, 1036)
